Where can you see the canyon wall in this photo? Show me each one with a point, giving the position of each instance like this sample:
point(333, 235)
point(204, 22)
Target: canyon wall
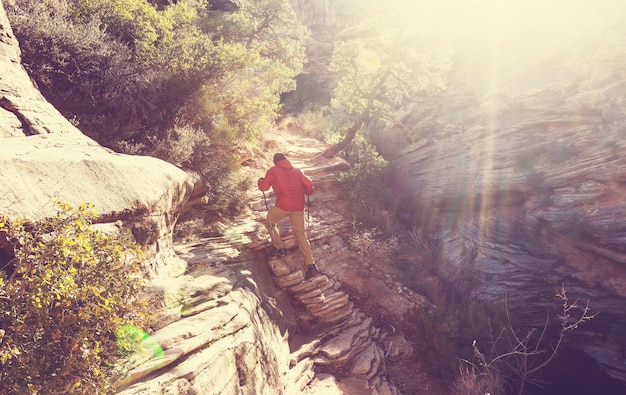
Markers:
point(519, 175)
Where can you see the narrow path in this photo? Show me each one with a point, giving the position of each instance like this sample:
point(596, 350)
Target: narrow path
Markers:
point(334, 347)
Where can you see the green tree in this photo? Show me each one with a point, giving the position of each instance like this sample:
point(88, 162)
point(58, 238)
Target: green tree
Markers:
point(126, 69)
point(158, 38)
point(269, 27)
point(381, 69)
point(244, 101)
point(259, 53)
point(119, 68)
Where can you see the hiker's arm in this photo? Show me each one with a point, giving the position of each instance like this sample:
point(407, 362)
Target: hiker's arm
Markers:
point(266, 182)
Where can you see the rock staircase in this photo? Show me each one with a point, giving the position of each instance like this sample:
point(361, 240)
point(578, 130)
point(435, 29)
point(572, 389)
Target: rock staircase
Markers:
point(346, 339)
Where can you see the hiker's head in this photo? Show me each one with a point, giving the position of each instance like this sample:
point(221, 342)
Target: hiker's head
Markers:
point(278, 156)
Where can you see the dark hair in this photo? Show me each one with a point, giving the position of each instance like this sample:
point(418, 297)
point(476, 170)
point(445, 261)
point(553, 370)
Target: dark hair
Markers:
point(278, 156)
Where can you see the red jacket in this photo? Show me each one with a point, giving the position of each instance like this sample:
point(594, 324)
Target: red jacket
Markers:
point(289, 185)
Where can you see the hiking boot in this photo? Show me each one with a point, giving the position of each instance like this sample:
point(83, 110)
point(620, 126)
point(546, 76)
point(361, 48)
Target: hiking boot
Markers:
point(311, 271)
point(280, 252)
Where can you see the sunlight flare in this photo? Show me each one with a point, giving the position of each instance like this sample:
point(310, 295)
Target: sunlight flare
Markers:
point(507, 19)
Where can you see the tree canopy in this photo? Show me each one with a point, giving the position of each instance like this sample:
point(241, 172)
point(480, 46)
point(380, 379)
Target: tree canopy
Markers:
point(379, 72)
point(125, 69)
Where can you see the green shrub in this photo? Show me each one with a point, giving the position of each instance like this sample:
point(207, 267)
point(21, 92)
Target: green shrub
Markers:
point(71, 288)
point(119, 67)
point(83, 70)
point(368, 191)
point(127, 69)
point(226, 186)
point(368, 247)
point(193, 150)
point(314, 122)
point(179, 144)
point(244, 102)
point(157, 38)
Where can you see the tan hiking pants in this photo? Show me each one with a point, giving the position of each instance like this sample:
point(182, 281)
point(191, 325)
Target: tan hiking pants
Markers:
point(296, 218)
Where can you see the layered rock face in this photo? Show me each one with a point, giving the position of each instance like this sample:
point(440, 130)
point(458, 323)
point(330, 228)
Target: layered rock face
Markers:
point(45, 158)
point(520, 179)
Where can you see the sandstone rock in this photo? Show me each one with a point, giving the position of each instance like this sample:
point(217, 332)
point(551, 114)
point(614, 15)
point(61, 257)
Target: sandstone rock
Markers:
point(45, 158)
point(307, 286)
point(315, 300)
point(290, 280)
point(397, 347)
point(346, 342)
point(23, 109)
point(315, 294)
point(336, 315)
point(324, 384)
point(206, 348)
point(332, 302)
point(43, 168)
point(367, 362)
point(301, 374)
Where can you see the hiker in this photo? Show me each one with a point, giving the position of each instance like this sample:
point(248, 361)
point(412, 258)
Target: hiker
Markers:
point(290, 186)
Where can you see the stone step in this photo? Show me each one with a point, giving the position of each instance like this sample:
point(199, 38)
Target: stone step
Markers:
point(340, 316)
point(309, 285)
point(320, 298)
point(330, 309)
point(342, 358)
point(313, 301)
point(289, 280)
point(334, 302)
point(304, 297)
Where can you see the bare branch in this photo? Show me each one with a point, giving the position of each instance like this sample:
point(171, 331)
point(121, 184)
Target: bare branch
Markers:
point(528, 354)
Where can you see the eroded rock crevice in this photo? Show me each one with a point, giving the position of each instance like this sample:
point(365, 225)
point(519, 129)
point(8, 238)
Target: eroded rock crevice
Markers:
point(16, 124)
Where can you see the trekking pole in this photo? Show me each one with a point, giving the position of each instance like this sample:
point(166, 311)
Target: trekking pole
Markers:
point(308, 207)
point(308, 213)
point(265, 200)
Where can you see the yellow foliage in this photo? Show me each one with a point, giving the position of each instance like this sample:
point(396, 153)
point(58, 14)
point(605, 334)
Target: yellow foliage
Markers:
point(71, 289)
